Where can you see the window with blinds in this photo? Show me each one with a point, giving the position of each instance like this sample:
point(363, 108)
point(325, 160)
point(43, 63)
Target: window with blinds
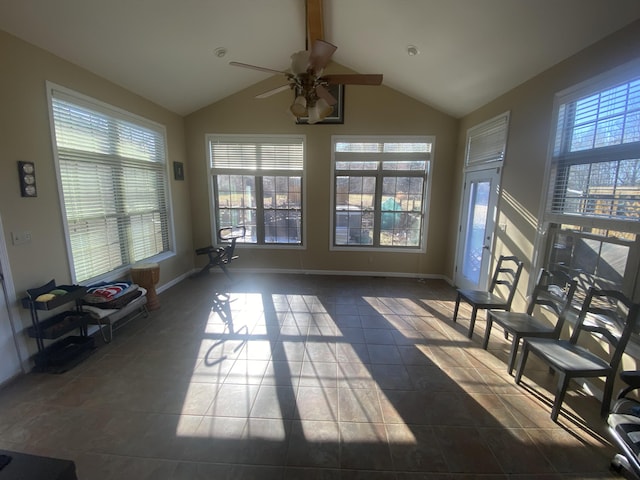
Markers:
point(380, 191)
point(596, 155)
point(487, 142)
point(257, 183)
point(112, 173)
point(592, 215)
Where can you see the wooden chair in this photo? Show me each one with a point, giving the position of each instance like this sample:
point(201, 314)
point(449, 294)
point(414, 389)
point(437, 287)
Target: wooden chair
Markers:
point(553, 291)
point(609, 317)
point(507, 274)
point(224, 255)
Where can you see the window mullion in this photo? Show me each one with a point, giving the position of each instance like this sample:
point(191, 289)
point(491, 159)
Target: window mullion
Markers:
point(260, 230)
point(377, 220)
point(124, 222)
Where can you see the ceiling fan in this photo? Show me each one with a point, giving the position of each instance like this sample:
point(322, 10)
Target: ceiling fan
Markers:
point(305, 76)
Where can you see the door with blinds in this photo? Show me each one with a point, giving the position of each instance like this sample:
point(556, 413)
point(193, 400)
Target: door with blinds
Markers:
point(485, 153)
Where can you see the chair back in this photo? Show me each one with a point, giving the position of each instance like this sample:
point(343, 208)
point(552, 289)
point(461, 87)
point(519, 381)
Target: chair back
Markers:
point(554, 290)
point(609, 315)
point(507, 273)
point(231, 235)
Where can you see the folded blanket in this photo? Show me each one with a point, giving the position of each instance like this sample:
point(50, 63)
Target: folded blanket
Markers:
point(106, 292)
point(121, 301)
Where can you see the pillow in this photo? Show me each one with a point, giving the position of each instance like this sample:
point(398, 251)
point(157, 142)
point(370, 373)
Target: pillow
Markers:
point(105, 292)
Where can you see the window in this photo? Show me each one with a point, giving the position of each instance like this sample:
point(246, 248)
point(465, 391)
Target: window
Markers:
point(112, 173)
point(379, 191)
point(593, 206)
point(257, 182)
point(596, 257)
point(487, 142)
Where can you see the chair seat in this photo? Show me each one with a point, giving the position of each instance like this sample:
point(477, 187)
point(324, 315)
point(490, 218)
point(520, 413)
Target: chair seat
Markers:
point(568, 357)
point(522, 323)
point(482, 299)
point(570, 360)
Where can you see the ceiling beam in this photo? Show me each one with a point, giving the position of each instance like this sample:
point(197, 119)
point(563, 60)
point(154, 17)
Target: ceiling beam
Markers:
point(315, 28)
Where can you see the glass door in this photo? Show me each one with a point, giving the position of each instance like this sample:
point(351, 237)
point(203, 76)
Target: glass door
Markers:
point(475, 242)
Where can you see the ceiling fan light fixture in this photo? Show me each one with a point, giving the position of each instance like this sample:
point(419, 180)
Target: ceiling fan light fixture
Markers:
point(323, 107)
point(299, 106)
point(305, 77)
point(300, 62)
point(314, 115)
point(319, 111)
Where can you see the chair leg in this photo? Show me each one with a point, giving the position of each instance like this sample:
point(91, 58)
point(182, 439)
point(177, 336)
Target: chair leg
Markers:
point(224, 269)
point(487, 331)
point(455, 310)
point(561, 389)
point(523, 361)
point(513, 353)
point(606, 396)
point(472, 321)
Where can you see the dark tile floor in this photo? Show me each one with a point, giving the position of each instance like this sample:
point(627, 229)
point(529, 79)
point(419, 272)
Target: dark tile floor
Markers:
point(304, 377)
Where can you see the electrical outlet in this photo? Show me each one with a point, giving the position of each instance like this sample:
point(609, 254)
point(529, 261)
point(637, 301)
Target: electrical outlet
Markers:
point(20, 238)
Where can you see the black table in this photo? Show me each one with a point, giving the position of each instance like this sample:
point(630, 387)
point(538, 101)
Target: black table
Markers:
point(33, 467)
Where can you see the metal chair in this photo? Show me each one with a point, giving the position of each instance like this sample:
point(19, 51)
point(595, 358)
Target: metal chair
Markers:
point(554, 291)
point(609, 317)
point(624, 427)
point(224, 255)
point(507, 274)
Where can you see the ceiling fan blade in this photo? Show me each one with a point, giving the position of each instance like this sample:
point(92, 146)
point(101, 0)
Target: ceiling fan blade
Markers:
point(315, 28)
point(354, 79)
point(254, 67)
point(273, 91)
point(324, 93)
point(321, 54)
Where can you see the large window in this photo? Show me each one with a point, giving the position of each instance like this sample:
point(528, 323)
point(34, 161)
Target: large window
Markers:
point(257, 182)
point(593, 207)
point(112, 173)
point(380, 186)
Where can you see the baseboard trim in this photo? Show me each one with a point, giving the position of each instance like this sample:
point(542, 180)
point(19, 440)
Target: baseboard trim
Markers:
point(352, 273)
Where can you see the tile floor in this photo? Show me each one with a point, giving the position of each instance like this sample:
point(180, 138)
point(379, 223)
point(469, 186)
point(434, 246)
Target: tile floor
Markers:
point(303, 377)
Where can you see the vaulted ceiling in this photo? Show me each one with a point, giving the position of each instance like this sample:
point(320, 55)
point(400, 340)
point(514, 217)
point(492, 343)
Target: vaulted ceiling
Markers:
point(470, 51)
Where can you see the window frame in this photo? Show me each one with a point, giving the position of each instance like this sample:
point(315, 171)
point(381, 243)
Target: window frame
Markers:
point(380, 174)
point(117, 114)
point(255, 173)
point(558, 158)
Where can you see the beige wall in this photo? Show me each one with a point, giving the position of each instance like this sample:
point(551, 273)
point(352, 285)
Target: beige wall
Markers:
point(25, 135)
point(368, 111)
point(531, 106)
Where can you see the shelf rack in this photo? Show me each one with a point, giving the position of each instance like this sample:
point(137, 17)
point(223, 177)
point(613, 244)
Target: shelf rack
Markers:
point(67, 350)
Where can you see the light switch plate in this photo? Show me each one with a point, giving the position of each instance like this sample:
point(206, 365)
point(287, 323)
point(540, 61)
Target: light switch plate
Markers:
point(20, 238)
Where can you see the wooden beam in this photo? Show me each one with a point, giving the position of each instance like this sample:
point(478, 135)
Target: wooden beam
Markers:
point(315, 28)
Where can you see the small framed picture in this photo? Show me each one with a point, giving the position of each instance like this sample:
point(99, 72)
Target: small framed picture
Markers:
point(178, 170)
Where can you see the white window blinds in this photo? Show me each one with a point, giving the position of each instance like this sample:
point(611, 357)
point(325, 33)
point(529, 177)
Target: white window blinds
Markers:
point(112, 172)
point(277, 153)
point(596, 154)
point(487, 142)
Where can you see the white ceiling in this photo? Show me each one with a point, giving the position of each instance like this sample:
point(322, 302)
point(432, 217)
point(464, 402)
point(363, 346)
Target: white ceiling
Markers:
point(471, 51)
